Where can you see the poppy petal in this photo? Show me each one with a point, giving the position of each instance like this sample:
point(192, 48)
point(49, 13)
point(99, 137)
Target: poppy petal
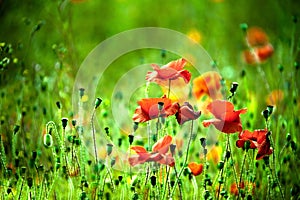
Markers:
point(162, 145)
point(195, 168)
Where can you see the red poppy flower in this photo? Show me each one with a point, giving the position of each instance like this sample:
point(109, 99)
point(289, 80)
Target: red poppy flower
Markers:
point(149, 109)
point(186, 113)
point(195, 168)
point(159, 153)
point(260, 48)
point(258, 139)
point(170, 71)
point(227, 119)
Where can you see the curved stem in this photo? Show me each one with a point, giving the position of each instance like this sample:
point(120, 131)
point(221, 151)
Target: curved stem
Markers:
point(94, 137)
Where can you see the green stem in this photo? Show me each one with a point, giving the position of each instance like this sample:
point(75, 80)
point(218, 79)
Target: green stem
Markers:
point(241, 173)
point(186, 158)
point(94, 137)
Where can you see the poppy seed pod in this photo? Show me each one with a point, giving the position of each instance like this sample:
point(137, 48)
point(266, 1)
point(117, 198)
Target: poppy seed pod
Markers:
point(203, 142)
point(74, 122)
point(265, 113)
point(135, 126)
point(109, 148)
point(270, 109)
point(81, 92)
point(288, 137)
point(160, 105)
point(153, 180)
point(58, 104)
point(64, 122)
point(130, 138)
point(98, 102)
point(234, 86)
point(172, 148)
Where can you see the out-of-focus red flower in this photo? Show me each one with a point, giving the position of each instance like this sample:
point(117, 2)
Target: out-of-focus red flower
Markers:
point(186, 113)
point(260, 47)
point(159, 153)
point(258, 54)
point(226, 119)
point(149, 109)
point(170, 71)
point(196, 169)
point(258, 139)
point(234, 190)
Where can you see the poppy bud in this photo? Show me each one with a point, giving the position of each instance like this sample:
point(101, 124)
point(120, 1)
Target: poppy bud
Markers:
point(97, 102)
point(34, 155)
point(244, 27)
point(172, 148)
point(296, 65)
point(120, 142)
point(81, 92)
point(77, 141)
point(135, 126)
point(106, 130)
point(293, 145)
point(265, 113)
point(74, 122)
point(288, 137)
point(203, 142)
point(58, 104)
point(16, 129)
point(295, 19)
point(153, 180)
point(109, 149)
point(280, 68)
point(233, 88)
point(160, 105)
point(130, 138)
point(48, 141)
point(227, 154)
point(270, 109)
point(113, 162)
point(120, 178)
point(163, 53)
point(29, 182)
point(23, 171)
point(220, 165)
point(64, 122)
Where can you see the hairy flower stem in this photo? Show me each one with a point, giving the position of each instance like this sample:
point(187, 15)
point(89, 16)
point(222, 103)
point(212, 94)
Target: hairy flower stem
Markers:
point(241, 173)
point(186, 158)
point(195, 186)
point(94, 137)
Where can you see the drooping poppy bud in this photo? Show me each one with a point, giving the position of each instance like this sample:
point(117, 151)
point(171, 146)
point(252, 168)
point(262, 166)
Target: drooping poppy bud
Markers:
point(48, 141)
point(109, 148)
point(98, 101)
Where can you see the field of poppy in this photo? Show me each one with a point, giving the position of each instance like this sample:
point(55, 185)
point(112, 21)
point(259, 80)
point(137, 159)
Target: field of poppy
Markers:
point(122, 100)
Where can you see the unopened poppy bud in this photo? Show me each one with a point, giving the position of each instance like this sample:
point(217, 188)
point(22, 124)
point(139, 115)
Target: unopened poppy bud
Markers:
point(64, 122)
point(203, 142)
point(97, 102)
point(293, 145)
point(130, 138)
point(266, 159)
point(296, 65)
point(172, 148)
point(34, 155)
point(220, 165)
point(16, 129)
point(120, 178)
point(227, 154)
point(135, 126)
point(288, 137)
point(74, 122)
point(113, 162)
point(234, 86)
point(106, 130)
point(160, 105)
point(265, 113)
point(244, 27)
point(163, 53)
point(58, 104)
point(109, 148)
point(153, 180)
point(280, 68)
point(48, 141)
point(81, 92)
point(270, 109)
point(295, 19)
point(29, 182)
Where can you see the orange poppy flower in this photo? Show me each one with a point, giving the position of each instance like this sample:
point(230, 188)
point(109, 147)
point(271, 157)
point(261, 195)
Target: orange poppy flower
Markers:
point(186, 113)
point(275, 97)
point(208, 84)
point(195, 168)
point(170, 71)
point(256, 37)
point(235, 190)
point(149, 109)
point(258, 139)
point(227, 119)
point(159, 153)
